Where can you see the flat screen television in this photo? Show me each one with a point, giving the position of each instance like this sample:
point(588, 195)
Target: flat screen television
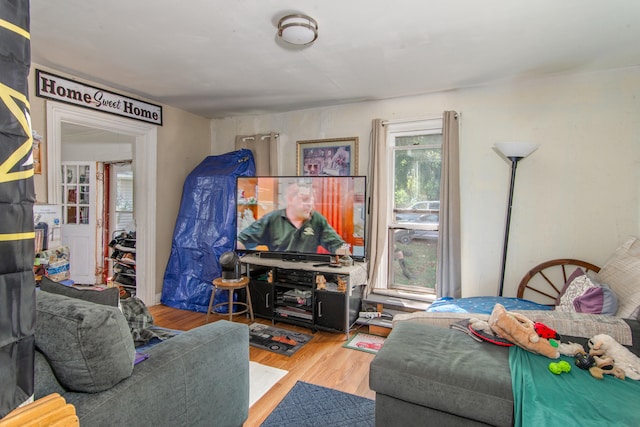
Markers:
point(301, 218)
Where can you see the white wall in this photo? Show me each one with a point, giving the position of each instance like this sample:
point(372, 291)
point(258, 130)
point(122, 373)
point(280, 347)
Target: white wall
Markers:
point(576, 196)
point(108, 151)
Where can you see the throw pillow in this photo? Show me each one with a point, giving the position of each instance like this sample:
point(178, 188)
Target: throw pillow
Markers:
point(577, 273)
point(88, 345)
point(109, 296)
point(599, 299)
point(586, 295)
point(576, 288)
point(622, 273)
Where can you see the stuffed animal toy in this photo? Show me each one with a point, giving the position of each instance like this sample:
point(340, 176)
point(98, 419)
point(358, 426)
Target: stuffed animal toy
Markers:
point(604, 347)
point(596, 365)
point(519, 330)
point(544, 331)
point(481, 326)
point(321, 282)
point(571, 349)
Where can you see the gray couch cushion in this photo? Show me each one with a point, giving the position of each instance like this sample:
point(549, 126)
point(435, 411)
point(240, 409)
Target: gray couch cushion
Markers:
point(89, 346)
point(445, 370)
point(45, 380)
point(109, 296)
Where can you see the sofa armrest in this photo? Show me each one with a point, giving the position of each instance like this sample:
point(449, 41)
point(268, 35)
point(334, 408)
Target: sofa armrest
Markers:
point(196, 378)
point(441, 319)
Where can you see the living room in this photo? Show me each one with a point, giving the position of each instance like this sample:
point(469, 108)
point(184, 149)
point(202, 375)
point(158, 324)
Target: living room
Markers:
point(576, 196)
point(564, 114)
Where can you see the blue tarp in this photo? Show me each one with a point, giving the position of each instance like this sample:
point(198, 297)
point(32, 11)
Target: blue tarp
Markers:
point(205, 229)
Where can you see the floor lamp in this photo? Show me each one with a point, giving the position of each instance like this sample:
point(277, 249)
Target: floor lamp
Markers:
point(514, 151)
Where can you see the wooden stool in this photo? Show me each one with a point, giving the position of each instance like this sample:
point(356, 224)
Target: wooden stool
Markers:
point(231, 286)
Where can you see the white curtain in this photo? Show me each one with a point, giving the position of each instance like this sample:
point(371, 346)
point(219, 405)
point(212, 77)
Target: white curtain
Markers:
point(265, 151)
point(448, 269)
point(379, 200)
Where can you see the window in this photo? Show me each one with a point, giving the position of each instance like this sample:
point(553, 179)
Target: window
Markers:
point(76, 194)
point(124, 199)
point(414, 182)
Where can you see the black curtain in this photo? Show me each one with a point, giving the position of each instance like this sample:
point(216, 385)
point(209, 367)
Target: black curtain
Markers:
point(17, 284)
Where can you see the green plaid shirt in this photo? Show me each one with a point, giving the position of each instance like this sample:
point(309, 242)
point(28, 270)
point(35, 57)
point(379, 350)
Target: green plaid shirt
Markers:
point(278, 233)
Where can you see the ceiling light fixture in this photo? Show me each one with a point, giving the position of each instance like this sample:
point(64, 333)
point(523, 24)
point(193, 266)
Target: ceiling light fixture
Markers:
point(298, 29)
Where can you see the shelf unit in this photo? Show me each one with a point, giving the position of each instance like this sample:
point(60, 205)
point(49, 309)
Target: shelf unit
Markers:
point(286, 291)
point(123, 257)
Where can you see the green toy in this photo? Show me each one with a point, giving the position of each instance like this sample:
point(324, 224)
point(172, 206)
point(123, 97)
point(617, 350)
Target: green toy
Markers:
point(559, 367)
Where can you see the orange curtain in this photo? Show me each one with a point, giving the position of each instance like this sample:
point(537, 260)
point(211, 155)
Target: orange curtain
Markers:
point(334, 200)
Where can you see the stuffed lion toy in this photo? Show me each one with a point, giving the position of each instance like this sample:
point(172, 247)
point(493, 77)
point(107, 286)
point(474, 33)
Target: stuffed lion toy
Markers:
point(520, 330)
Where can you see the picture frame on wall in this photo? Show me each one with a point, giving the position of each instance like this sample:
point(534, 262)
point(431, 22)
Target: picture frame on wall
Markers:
point(328, 157)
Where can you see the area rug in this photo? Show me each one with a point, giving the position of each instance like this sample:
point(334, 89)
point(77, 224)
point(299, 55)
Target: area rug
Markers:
point(277, 340)
point(365, 342)
point(261, 379)
point(311, 405)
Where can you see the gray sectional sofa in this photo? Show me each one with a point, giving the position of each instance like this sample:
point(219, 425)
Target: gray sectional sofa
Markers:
point(85, 353)
point(429, 374)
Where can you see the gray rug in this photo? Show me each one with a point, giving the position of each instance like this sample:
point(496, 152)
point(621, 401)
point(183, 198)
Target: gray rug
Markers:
point(311, 405)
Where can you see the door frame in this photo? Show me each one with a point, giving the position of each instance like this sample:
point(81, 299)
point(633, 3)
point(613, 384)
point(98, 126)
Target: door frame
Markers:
point(144, 166)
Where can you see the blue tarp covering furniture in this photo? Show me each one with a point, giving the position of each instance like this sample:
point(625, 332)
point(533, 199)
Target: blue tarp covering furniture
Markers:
point(205, 229)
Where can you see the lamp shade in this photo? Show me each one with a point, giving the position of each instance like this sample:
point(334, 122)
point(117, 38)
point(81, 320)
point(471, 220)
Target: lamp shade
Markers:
point(519, 149)
point(298, 29)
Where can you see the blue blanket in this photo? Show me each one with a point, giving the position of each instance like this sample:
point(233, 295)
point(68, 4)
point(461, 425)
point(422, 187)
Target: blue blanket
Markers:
point(541, 398)
point(483, 304)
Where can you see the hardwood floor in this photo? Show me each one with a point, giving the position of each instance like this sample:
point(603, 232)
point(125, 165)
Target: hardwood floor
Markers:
point(322, 361)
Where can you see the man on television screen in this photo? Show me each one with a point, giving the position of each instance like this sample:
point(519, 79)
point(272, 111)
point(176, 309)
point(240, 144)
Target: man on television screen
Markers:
point(296, 228)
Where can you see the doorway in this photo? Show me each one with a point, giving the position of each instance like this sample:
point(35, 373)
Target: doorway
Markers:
point(144, 149)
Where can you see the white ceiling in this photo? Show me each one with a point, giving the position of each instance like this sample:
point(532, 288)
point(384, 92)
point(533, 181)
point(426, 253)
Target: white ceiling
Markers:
point(219, 58)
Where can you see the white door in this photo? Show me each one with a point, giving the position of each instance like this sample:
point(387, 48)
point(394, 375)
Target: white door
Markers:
point(78, 230)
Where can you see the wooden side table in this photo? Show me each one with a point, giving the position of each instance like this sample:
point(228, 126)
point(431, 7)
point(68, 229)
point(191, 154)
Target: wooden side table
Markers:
point(231, 286)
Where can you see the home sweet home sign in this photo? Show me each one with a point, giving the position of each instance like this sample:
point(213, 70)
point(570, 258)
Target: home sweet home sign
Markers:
point(60, 89)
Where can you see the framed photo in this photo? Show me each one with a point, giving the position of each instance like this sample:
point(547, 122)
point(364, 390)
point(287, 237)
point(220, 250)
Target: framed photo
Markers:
point(328, 157)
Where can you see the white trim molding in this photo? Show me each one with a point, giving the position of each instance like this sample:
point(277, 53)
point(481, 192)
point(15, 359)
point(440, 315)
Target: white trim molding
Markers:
point(145, 186)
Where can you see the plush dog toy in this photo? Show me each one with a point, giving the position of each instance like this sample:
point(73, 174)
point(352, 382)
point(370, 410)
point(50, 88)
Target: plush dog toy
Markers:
point(593, 362)
point(604, 347)
point(520, 330)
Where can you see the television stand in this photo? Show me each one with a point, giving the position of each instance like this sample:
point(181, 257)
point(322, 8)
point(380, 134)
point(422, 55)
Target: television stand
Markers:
point(294, 257)
point(313, 295)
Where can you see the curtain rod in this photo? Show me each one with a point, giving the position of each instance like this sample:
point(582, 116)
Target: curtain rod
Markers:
point(263, 137)
point(416, 119)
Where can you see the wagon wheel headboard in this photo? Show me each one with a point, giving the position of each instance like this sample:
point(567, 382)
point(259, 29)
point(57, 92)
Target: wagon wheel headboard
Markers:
point(544, 282)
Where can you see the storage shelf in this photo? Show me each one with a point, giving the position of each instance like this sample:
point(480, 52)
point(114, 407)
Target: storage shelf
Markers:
point(122, 236)
point(330, 310)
